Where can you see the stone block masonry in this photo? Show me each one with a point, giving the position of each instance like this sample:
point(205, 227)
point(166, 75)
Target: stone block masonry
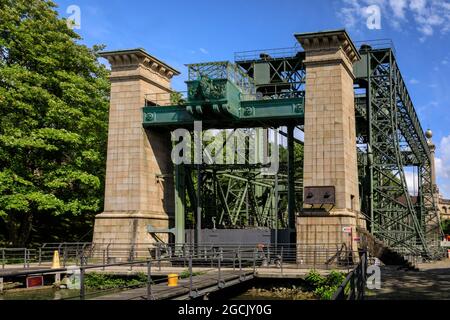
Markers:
point(139, 178)
point(330, 157)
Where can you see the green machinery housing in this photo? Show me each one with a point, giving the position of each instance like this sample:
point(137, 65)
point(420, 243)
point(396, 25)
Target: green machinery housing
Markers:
point(265, 89)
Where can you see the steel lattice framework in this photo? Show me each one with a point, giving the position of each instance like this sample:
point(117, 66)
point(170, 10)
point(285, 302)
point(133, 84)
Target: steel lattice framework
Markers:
point(389, 137)
point(395, 139)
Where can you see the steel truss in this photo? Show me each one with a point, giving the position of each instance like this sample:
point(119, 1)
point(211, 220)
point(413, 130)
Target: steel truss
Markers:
point(395, 140)
point(389, 138)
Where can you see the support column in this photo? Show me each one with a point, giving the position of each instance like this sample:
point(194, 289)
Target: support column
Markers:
point(139, 173)
point(180, 204)
point(331, 199)
point(291, 183)
point(432, 147)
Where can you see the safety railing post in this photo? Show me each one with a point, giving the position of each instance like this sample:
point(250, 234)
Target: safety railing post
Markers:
point(314, 260)
point(364, 275)
point(254, 261)
point(240, 262)
point(3, 258)
point(107, 253)
point(212, 255)
point(219, 271)
point(281, 260)
point(352, 285)
point(149, 279)
point(40, 256)
point(82, 288)
point(65, 256)
point(190, 276)
point(158, 252)
point(104, 259)
point(25, 258)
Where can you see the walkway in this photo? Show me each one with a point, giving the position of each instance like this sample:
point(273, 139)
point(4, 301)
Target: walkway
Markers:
point(431, 282)
point(201, 285)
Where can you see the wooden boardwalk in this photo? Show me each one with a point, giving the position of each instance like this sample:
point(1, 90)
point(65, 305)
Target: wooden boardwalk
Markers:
point(201, 285)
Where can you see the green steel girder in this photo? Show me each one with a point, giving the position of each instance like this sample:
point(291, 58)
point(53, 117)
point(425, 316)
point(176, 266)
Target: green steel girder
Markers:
point(220, 95)
point(389, 121)
point(225, 95)
point(249, 114)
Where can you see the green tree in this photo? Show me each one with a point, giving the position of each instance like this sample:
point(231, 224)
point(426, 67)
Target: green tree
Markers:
point(53, 125)
point(446, 226)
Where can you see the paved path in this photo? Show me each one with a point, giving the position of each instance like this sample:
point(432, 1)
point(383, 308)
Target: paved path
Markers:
point(431, 282)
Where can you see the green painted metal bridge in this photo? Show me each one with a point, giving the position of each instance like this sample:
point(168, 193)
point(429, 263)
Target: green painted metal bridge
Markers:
point(266, 89)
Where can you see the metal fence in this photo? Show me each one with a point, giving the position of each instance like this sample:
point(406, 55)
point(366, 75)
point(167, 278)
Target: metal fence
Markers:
point(353, 287)
point(324, 256)
point(211, 266)
point(214, 262)
point(16, 256)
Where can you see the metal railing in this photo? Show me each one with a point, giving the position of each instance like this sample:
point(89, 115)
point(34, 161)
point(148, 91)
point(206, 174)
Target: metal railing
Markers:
point(211, 267)
point(376, 44)
point(293, 255)
point(272, 53)
point(353, 287)
point(217, 264)
point(166, 99)
point(16, 256)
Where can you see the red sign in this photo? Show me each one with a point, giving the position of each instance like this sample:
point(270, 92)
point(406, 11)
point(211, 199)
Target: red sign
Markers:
point(347, 229)
point(35, 281)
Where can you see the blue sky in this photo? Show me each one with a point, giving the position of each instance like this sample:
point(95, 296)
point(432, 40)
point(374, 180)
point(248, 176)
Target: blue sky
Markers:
point(180, 32)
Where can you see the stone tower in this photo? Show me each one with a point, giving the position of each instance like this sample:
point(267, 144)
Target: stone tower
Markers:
point(332, 207)
point(139, 177)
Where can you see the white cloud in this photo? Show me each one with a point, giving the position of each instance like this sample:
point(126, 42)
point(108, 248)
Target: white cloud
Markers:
point(411, 182)
point(440, 172)
point(398, 7)
point(444, 148)
point(417, 5)
point(414, 81)
point(203, 50)
point(442, 164)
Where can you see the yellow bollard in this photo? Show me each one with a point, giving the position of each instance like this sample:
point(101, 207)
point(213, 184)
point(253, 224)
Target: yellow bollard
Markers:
point(55, 264)
point(172, 280)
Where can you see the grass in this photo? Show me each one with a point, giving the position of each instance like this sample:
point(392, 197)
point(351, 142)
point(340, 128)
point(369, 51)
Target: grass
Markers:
point(101, 281)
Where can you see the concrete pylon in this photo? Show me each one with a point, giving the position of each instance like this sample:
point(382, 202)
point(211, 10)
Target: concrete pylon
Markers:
point(332, 208)
point(139, 172)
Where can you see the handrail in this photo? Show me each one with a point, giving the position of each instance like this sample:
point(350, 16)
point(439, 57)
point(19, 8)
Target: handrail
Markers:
point(357, 281)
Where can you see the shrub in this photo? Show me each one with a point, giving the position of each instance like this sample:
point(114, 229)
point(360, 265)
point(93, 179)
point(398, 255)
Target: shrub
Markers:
point(324, 287)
